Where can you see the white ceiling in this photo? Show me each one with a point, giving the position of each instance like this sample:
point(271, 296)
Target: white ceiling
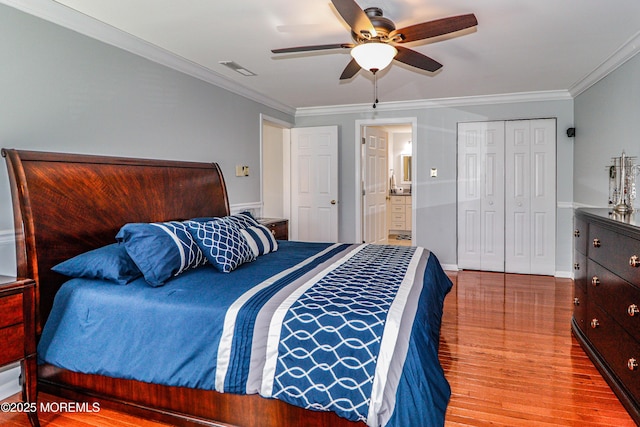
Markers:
point(518, 46)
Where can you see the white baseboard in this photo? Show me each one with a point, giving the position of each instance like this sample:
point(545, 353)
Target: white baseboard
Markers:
point(564, 274)
point(9, 384)
point(7, 253)
point(255, 208)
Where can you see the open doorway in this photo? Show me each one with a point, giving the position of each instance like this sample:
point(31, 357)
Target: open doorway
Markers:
point(384, 181)
point(275, 161)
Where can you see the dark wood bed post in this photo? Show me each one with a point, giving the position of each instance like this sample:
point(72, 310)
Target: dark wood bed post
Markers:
point(67, 204)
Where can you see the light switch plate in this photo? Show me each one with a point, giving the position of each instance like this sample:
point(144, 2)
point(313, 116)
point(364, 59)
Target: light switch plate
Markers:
point(242, 170)
point(434, 172)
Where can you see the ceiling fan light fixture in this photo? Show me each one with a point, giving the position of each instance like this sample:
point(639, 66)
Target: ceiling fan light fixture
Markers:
point(374, 55)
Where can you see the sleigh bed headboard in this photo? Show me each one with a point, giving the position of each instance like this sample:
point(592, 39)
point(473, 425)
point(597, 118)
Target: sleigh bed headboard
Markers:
point(66, 204)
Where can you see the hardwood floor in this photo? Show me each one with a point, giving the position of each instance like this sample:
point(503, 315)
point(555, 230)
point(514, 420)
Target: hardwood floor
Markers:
point(508, 353)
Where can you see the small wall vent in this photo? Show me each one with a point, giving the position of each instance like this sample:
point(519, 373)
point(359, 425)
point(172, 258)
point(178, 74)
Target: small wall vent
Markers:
point(238, 68)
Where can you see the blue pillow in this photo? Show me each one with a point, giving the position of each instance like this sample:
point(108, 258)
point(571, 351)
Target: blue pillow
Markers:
point(109, 262)
point(222, 243)
point(260, 239)
point(161, 250)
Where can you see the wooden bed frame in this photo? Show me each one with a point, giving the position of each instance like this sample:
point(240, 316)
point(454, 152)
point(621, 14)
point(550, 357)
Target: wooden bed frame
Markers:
point(67, 204)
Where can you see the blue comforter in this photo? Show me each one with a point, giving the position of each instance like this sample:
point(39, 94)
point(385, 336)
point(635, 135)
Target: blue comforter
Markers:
point(352, 329)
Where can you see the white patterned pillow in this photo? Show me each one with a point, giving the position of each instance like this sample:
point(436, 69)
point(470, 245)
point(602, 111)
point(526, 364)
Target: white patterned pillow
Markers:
point(222, 243)
point(260, 239)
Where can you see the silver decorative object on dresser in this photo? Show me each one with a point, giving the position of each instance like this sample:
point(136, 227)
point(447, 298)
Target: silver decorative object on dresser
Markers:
point(622, 183)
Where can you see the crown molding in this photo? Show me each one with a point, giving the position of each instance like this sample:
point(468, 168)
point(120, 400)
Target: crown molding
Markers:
point(66, 17)
point(466, 101)
point(627, 51)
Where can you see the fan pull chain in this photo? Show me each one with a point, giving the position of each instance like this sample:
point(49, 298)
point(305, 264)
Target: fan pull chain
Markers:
point(375, 86)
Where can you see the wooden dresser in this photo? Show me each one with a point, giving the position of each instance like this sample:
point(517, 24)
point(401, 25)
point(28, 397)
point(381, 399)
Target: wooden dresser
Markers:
point(279, 227)
point(18, 338)
point(606, 317)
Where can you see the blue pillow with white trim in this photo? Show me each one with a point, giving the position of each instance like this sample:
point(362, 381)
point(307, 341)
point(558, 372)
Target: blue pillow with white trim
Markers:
point(161, 250)
point(222, 243)
point(260, 239)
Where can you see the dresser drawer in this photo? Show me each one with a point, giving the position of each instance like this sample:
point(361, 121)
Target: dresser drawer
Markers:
point(397, 209)
point(580, 270)
point(616, 296)
point(580, 308)
point(11, 310)
point(278, 227)
point(12, 339)
point(397, 200)
point(616, 347)
point(613, 251)
point(580, 235)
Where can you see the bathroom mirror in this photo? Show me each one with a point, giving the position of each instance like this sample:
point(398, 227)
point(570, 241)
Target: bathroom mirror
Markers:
point(406, 168)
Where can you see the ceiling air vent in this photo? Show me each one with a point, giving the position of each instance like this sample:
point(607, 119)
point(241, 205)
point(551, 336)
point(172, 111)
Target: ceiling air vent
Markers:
point(238, 68)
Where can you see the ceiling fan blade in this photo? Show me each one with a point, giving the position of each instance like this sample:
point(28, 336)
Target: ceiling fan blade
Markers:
point(415, 59)
point(435, 28)
point(350, 71)
point(315, 47)
point(354, 16)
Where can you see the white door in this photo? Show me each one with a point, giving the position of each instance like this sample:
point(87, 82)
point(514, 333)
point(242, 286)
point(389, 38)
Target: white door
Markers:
point(481, 196)
point(375, 190)
point(506, 196)
point(314, 184)
point(530, 202)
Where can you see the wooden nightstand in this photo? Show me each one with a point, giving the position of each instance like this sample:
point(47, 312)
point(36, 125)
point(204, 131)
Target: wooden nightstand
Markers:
point(279, 227)
point(18, 335)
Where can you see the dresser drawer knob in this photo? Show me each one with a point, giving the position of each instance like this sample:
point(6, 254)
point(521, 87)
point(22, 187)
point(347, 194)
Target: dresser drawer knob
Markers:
point(576, 266)
point(596, 243)
point(594, 323)
point(634, 261)
point(595, 281)
point(576, 233)
point(633, 310)
point(632, 364)
point(576, 301)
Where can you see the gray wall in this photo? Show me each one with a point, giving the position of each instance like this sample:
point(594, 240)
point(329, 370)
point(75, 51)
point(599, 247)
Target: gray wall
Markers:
point(607, 119)
point(436, 147)
point(62, 91)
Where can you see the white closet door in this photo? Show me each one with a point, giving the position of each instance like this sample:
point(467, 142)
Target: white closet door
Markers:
point(481, 196)
point(507, 196)
point(530, 203)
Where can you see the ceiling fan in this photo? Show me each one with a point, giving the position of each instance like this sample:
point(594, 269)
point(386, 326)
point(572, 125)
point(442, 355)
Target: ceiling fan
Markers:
point(378, 42)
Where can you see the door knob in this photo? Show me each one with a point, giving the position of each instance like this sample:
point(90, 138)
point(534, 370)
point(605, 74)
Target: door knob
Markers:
point(333, 202)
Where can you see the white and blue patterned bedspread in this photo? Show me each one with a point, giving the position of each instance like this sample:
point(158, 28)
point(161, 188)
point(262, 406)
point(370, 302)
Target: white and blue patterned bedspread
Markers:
point(352, 329)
